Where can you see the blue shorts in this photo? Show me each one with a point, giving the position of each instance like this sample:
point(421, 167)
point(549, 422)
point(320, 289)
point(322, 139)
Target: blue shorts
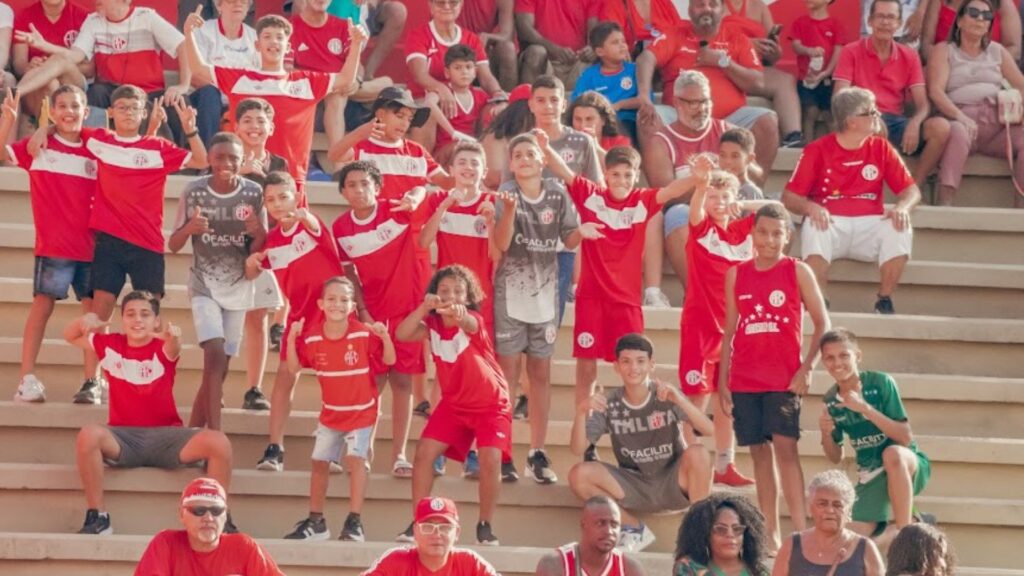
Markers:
point(53, 277)
point(820, 96)
point(676, 216)
point(332, 444)
point(895, 125)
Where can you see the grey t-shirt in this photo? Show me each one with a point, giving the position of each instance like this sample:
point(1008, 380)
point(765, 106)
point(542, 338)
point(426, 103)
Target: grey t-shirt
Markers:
point(644, 438)
point(579, 152)
point(218, 262)
point(526, 281)
point(750, 191)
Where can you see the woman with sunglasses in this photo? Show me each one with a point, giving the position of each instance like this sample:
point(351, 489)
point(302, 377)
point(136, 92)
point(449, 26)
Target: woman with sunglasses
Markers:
point(965, 75)
point(829, 548)
point(722, 535)
point(943, 14)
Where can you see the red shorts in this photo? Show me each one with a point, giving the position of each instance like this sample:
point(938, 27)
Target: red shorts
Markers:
point(600, 324)
point(459, 429)
point(700, 348)
point(408, 355)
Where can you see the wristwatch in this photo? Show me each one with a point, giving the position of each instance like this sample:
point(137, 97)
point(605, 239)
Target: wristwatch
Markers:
point(724, 60)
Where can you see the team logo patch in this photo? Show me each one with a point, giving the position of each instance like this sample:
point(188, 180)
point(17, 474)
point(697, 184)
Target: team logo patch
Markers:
point(294, 89)
point(869, 172)
point(569, 156)
point(334, 45)
point(351, 357)
point(500, 435)
point(777, 298)
point(140, 160)
point(243, 211)
point(480, 225)
point(547, 216)
point(626, 83)
point(383, 234)
point(694, 377)
point(585, 339)
point(90, 168)
point(119, 43)
point(69, 38)
point(437, 504)
point(549, 334)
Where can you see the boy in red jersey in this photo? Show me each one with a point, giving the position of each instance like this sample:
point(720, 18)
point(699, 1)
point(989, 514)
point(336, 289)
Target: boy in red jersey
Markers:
point(762, 377)
point(57, 22)
point(63, 174)
point(301, 252)
point(143, 428)
point(474, 403)
point(343, 352)
point(460, 70)
point(817, 39)
point(378, 249)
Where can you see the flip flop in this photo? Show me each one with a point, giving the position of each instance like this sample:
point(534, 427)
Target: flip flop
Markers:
point(401, 468)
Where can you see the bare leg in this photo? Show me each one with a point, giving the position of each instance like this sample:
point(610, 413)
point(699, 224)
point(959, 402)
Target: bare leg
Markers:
point(935, 132)
point(946, 195)
point(94, 443)
point(318, 481)
point(427, 450)
point(256, 346)
point(206, 407)
point(504, 64)
point(675, 246)
point(586, 376)
point(281, 402)
point(654, 251)
point(792, 477)
point(539, 370)
point(392, 16)
point(32, 337)
point(588, 479)
point(781, 88)
point(510, 368)
point(900, 467)
point(891, 271)
point(357, 480)
point(534, 63)
point(334, 117)
point(401, 412)
point(490, 481)
point(695, 473)
point(214, 447)
point(820, 268)
point(103, 304)
point(767, 491)
point(766, 147)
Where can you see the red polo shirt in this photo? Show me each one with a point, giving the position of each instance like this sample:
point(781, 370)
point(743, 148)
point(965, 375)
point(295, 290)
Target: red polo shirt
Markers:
point(860, 65)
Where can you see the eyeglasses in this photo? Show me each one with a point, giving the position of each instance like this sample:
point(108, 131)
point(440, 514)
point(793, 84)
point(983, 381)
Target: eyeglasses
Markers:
point(891, 17)
point(428, 528)
point(979, 13)
point(128, 109)
point(729, 529)
point(200, 511)
point(700, 102)
point(872, 113)
point(447, 3)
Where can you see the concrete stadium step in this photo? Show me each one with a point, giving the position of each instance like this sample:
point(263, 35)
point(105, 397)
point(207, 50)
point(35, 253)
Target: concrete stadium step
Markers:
point(968, 235)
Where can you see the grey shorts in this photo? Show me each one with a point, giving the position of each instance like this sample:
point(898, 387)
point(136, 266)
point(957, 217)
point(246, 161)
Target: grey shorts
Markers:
point(513, 336)
point(212, 322)
point(650, 494)
point(150, 447)
point(745, 116)
point(676, 216)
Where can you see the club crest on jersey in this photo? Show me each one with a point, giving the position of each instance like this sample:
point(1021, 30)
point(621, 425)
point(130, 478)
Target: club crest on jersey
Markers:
point(585, 339)
point(300, 244)
point(694, 377)
point(547, 216)
point(869, 172)
point(384, 234)
point(351, 357)
point(294, 89)
point(140, 160)
point(480, 225)
point(334, 45)
point(549, 334)
point(243, 211)
point(90, 168)
point(69, 37)
point(656, 420)
point(777, 298)
point(437, 504)
point(119, 43)
point(626, 83)
point(568, 155)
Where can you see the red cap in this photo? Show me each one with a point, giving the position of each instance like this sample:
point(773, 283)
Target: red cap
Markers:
point(435, 507)
point(205, 490)
point(521, 92)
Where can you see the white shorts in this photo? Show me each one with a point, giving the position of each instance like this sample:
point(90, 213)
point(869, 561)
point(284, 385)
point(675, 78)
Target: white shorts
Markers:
point(330, 443)
point(212, 321)
point(863, 238)
point(268, 295)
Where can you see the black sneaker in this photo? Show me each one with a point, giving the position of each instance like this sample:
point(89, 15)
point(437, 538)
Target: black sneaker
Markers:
point(522, 409)
point(590, 454)
point(229, 525)
point(406, 536)
point(422, 409)
point(255, 400)
point(884, 306)
point(276, 333)
point(309, 529)
point(792, 140)
point(91, 392)
point(539, 467)
point(353, 529)
point(485, 535)
point(508, 472)
point(96, 522)
point(273, 459)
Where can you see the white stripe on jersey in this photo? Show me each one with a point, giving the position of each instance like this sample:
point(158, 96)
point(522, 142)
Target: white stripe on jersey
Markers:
point(125, 156)
point(395, 165)
point(718, 247)
point(448, 350)
point(352, 336)
point(368, 242)
point(460, 224)
point(355, 408)
point(134, 372)
point(615, 218)
point(341, 373)
point(299, 89)
point(280, 257)
point(64, 164)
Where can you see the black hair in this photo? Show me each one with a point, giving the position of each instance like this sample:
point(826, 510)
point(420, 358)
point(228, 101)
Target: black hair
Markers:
point(597, 101)
point(837, 335)
point(548, 81)
point(254, 104)
point(634, 341)
point(224, 138)
point(694, 538)
point(739, 136)
point(143, 295)
point(459, 53)
point(366, 166)
point(954, 31)
point(773, 211)
point(128, 92)
point(600, 33)
point(512, 121)
point(280, 178)
point(340, 281)
point(871, 11)
point(67, 89)
point(474, 293)
point(916, 547)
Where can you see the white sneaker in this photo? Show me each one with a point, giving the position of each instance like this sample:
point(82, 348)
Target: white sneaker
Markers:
point(335, 468)
point(655, 298)
point(30, 390)
point(635, 538)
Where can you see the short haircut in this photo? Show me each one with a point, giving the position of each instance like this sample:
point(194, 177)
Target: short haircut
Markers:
point(773, 211)
point(128, 92)
point(224, 138)
point(634, 341)
point(463, 146)
point(600, 501)
point(547, 81)
point(280, 178)
point(143, 295)
point(340, 281)
point(837, 482)
point(899, 6)
point(254, 104)
point(67, 89)
point(849, 102)
point(739, 136)
point(600, 33)
point(273, 21)
point(459, 53)
point(366, 166)
point(526, 138)
point(691, 78)
point(839, 335)
point(622, 155)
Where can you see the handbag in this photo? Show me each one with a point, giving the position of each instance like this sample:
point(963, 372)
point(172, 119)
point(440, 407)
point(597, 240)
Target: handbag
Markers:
point(1010, 110)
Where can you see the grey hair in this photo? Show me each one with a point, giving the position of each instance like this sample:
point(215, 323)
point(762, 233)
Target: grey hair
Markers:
point(691, 78)
point(837, 482)
point(848, 102)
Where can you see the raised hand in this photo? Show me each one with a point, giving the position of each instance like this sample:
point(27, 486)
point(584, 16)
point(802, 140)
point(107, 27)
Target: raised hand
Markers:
point(12, 103)
point(542, 138)
point(357, 34)
point(194, 20)
point(171, 333)
point(380, 329)
point(853, 401)
point(198, 224)
point(158, 116)
point(186, 113)
point(296, 329)
point(91, 323)
point(826, 423)
point(255, 260)
point(453, 311)
point(432, 301)
point(667, 392)
point(252, 165)
point(508, 201)
point(597, 402)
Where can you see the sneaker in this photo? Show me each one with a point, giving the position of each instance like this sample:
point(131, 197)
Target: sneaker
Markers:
point(353, 529)
point(255, 400)
point(335, 468)
point(655, 298)
point(590, 454)
point(884, 306)
point(439, 465)
point(275, 335)
point(406, 536)
point(273, 459)
point(229, 525)
point(635, 538)
point(309, 529)
point(30, 390)
point(471, 468)
point(522, 409)
point(792, 140)
point(422, 409)
point(485, 534)
point(732, 477)
point(96, 522)
point(539, 467)
point(91, 392)
point(509, 472)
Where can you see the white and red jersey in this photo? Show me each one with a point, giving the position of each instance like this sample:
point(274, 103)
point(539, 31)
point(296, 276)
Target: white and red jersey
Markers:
point(424, 42)
point(128, 51)
point(615, 566)
point(294, 96)
point(131, 176)
point(323, 48)
point(612, 266)
point(466, 119)
point(462, 238)
point(404, 165)
point(383, 249)
point(345, 368)
point(710, 251)
point(219, 50)
point(62, 184)
point(141, 381)
point(467, 370)
point(681, 148)
point(63, 32)
point(770, 311)
point(405, 561)
point(302, 261)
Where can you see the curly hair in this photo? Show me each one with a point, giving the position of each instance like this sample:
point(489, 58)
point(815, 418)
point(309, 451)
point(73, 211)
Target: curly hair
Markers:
point(474, 293)
point(916, 549)
point(514, 120)
point(597, 101)
point(694, 538)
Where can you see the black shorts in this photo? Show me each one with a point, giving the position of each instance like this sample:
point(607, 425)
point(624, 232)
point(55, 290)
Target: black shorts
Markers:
point(820, 96)
point(757, 416)
point(116, 259)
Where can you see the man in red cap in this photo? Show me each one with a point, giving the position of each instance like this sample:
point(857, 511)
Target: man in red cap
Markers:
point(202, 547)
point(436, 529)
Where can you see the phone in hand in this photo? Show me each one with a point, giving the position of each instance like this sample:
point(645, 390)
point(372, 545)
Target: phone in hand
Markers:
point(774, 33)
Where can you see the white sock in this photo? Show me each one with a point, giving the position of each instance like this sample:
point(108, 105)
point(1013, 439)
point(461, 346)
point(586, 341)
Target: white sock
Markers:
point(652, 290)
point(723, 459)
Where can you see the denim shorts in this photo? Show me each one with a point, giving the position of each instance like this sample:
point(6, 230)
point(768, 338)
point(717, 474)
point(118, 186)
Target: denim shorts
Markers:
point(53, 277)
point(330, 443)
point(676, 216)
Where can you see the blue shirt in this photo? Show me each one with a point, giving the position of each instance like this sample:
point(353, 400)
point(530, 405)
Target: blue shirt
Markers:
point(615, 88)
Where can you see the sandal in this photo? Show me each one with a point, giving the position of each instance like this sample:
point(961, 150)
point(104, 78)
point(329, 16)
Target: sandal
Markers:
point(401, 468)
point(422, 409)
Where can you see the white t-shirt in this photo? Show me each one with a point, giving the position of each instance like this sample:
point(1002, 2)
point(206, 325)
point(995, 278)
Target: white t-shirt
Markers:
point(6, 16)
point(218, 50)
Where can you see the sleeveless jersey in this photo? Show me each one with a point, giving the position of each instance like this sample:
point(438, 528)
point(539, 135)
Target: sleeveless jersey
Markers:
point(853, 566)
point(766, 347)
point(681, 148)
point(615, 566)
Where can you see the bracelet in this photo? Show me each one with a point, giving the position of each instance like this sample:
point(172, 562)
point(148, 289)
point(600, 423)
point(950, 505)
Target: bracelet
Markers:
point(192, 134)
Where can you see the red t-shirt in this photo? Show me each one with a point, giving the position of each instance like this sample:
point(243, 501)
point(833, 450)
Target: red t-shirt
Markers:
point(405, 561)
point(560, 21)
point(613, 265)
point(813, 33)
point(462, 239)
point(849, 182)
point(302, 262)
point(710, 251)
point(609, 142)
point(294, 96)
point(681, 148)
point(130, 181)
point(129, 51)
point(479, 16)
point(170, 554)
point(465, 119)
point(678, 51)
point(664, 19)
point(141, 381)
point(345, 370)
point(467, 370)
point(63, 32)
point(322, 49)
point(424, 42)
point(62, 175)
point(860, 66)
point(383, 249)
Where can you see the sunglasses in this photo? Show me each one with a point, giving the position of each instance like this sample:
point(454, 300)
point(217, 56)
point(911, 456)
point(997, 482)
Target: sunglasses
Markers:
point(443, 529)
point(729, 529)
point(980, 14)
point(200, 511)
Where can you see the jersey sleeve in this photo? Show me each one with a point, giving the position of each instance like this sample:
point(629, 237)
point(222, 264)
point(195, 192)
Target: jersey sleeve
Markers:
point(649, 198)
point(155, 560)
point(325, 239)
point(167, 36)
point(664, 48)
point(99, 342)
point(259, 562)
point(845, 66)
point(86, 40)
point(744, 53)
point(432, 165)
point(805, 175)
point(890, 402)
point(584, 82)
point(336, 230)
point(570, 218)
point(597, 426)
point(580, 189)
point(417, 43)
point(18, 152)
point(321, 83)
point(896, 174)
point(174, 158)
point(432, 202)
point(916, 76)
point(303, 351)
point(226, 78)
point(473, 41)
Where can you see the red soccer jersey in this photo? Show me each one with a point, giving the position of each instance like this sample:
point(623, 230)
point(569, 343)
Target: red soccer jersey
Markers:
point(479, 16)
point(571, 566)
point(770, 311)
point(344, 368)
point(405, 561)
point(170, 554)
point(63, 32)
point(465, 119)
point(424, 42)
point(710, 251)
point(849, 182)
point(141, 381)
point(462, 239)
point(64, 175)
point(302, 261)
point(323, 49)
point(294, 96)
point(609, 142)
point(130, 181)
point(404, 165)
point(612, 266)
point(130, 50)
point(467, 370)
point(812, 33)
point(562, 22)
point(383, 249)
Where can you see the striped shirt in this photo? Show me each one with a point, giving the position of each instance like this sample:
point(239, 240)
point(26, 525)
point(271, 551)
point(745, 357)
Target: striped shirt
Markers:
point(345, 368)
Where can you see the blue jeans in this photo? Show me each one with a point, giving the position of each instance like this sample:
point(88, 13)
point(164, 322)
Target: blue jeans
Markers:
point(566, 264)
point(209, 107)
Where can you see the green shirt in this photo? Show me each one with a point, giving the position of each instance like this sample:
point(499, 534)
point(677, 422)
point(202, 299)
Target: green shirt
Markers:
point(344, 9)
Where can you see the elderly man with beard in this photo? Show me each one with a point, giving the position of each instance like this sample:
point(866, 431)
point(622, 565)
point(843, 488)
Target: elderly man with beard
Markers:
point(596, 552)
